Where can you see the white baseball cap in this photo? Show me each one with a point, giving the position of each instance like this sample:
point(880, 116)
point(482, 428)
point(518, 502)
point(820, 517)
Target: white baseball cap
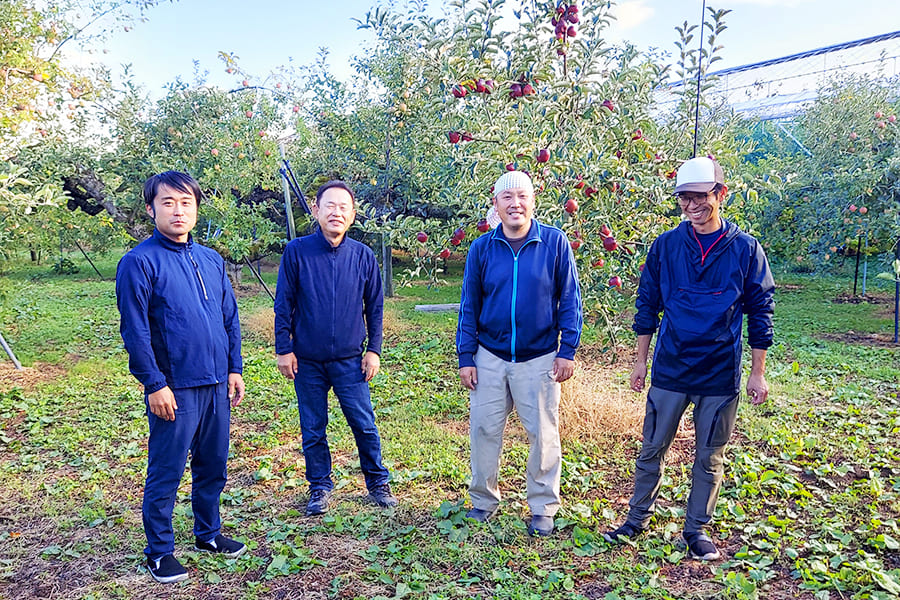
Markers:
point(699, 174)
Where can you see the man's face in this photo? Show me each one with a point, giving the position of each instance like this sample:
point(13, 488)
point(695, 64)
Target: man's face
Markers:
point(515, 207)
point(702, 210)
point(335, 213)
point(174, 212)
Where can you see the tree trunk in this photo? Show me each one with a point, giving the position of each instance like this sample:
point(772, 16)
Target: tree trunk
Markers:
point(235, 273)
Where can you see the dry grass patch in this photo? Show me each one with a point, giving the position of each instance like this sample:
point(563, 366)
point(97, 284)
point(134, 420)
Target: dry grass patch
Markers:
point(595, 404)
point(29, 377)
point(260, 325)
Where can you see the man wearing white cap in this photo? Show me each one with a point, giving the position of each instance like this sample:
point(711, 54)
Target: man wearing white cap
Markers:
point(703, 276)
point(519, 326)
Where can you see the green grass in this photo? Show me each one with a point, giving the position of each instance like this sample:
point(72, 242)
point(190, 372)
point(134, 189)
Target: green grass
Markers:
point(809, 507)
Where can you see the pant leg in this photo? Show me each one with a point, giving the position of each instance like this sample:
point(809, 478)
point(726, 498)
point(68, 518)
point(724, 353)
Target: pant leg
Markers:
point(352, 391)
point(311, 384)
point(664, 411)
point(489, 406)
point(714, 418)
point(209, 457)
point(167, 450)
point(536, 395)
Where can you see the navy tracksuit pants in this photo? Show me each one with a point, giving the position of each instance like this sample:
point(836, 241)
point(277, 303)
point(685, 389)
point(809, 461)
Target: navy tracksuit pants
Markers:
point(201, 427)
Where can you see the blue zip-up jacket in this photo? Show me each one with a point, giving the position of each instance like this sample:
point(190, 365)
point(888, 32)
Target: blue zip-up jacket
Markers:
point(179, 318)
point(321, 296)
point(703, 298)
point(520, 306)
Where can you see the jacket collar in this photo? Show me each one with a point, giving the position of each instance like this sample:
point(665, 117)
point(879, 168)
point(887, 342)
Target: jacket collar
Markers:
point(321, 237)
point(172, 245)
point(534, 232)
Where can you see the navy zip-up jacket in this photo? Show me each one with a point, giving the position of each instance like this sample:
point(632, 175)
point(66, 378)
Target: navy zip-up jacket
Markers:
point(321, 296)
point(520, 306)
point(703, 297)
point(179, 318)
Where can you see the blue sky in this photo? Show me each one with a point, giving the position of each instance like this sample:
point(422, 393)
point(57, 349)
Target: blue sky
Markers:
point(269, 33)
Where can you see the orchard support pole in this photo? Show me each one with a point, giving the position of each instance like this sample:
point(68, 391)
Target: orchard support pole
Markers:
point(865, 263)
point(96, 270)
point(896, 310)
point(387, 269)
point(856, 273)
point(19, 366)
point(288, 209)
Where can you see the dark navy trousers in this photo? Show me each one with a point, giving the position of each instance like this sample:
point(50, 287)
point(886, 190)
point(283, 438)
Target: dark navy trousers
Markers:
point(312, 382)
point(201, 427)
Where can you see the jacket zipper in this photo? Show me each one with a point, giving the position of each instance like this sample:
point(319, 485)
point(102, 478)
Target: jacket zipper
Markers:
point(199, 276)
point(515, 290)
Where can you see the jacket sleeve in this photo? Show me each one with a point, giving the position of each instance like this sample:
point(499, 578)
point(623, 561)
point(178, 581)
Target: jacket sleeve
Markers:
point(373, 302)
point(759, 300)
point(134, 288)
point(649, 298)
point(469, 310)
point(569, 314)
point(285, 301)
point(232, 323)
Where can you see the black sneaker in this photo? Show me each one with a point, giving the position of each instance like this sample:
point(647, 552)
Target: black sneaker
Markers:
point(540, 526)
point(221, 545)
point(481, 515)
point(318, 502)
point(167, 569)
point(626, 531)
point(700, 546)
point(382, 496)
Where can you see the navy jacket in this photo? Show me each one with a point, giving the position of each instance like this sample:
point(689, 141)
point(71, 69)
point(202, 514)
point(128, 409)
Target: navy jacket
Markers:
point(321, 297)
point(179, 318)
point(703, 300)
point(520, 306)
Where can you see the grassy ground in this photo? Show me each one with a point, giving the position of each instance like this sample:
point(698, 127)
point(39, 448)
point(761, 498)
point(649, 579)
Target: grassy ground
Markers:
point(808, 509)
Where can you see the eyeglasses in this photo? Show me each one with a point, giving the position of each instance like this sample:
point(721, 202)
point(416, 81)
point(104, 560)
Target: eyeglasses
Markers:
point(685, 200)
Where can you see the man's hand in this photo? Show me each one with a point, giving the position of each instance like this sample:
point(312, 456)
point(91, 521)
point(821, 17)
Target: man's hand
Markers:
point(287, 365)
point(638, 375)
point(371, 362)
point(757, 389)
point(162, 403)
point(469, 377)
point(563, 368)
point(235, 388)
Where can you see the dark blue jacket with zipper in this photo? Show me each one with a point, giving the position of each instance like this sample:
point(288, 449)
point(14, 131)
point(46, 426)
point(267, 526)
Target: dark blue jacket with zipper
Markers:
point(179, 318)
point(702, 298)
point(322, 294)
point(520, 306)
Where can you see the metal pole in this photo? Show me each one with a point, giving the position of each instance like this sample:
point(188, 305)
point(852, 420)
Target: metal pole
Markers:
point(699, 74)
point(259, 277)
point(896, 310)
point(99, 274)
point(387, 269)
point(856, 273)
point(288, 210)
point(19, 366)
point(865, 262)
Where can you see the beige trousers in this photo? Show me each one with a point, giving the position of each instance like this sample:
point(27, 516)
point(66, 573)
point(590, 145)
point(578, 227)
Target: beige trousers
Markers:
point(530, 389)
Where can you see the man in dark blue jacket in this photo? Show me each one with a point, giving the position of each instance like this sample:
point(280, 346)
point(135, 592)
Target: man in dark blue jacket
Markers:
point(180, 328)
point(519, 327)
point(703, 276)
point(327, 300)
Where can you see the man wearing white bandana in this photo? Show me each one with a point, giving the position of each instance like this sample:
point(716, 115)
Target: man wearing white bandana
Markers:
point(519, 327)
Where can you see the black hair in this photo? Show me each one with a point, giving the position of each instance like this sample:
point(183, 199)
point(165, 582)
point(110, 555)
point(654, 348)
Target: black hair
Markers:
point(174, 179)
point(334, 183)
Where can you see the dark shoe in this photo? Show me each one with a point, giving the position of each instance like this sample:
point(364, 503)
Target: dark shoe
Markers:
point(540, 526)
point(318, 502)
point(167, 569)
point(480, 515)
point(221, 545)
point(700, 546)
point(382, 496)
point(626, 531)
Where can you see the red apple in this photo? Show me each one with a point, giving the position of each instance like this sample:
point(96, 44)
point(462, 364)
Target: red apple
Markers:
point(606, 231)
point(456, 241)
point(467, 137)
point(488, 86)
point(245, 83)
point(296, 109)
point(268, 153)
point(445, 253)
point(579, 185)
point(422, 237)
point(610, 243)
point(882, 124)
point(543, 155)
point(248, 113)
point(597, 264)
point(458, 91)
point(214, 151)
point(560, 9)
point(479, 86)
point(528, 90)
point(454, 137)
point(852, 208)
point(483, 226)
point(615, 282)
point(638, 134)
point(641, 267)
point(262, 134)
point(571, 31)
point(863, 210)
point(571, 206)
point(560, 51)
point(608, 104)
point(878, 114)
point(892, 118)
point(459, 233)
point(510, 166)
point(515, 90)
point(236, 144)
point(576, 244)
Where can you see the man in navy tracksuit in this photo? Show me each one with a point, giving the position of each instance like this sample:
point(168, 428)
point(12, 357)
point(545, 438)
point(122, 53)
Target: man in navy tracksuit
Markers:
point(327, 302)
point(179, 323)
point(704, 275)
point(519, 327)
